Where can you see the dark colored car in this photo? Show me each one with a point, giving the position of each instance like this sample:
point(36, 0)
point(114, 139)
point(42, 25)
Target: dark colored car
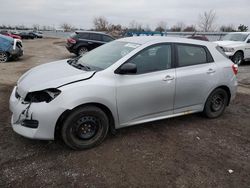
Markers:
point(198, 37)
point(26, 35)
point(84, 41)
point(37, 34)
point(6, 33)
point(9, 48)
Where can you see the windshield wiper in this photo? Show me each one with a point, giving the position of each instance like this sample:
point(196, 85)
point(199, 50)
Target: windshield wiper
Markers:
point(80, 66)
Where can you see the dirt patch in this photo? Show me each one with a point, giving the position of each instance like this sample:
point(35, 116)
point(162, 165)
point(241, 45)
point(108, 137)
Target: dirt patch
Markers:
point(188, 151)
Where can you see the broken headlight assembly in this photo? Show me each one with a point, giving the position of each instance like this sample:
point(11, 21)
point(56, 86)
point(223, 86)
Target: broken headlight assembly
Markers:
point(46, 95)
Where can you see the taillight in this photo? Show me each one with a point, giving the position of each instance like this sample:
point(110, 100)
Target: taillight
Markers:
point(235, 68)
point(72, 41)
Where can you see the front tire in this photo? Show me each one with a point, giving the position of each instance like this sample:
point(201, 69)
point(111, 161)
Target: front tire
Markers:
point(216, 103)
point(238, 58)
point(85, 128)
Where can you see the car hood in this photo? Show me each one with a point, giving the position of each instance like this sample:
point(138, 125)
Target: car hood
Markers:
point(50, 75)
point(228, 43)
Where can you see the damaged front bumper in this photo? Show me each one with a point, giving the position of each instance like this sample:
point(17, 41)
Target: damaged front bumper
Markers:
point(34, 120)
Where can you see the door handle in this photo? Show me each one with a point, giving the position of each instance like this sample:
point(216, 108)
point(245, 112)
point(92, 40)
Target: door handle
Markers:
point(211, 71)
point(168, 78)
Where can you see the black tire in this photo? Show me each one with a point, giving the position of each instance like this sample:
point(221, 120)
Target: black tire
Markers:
point(82, 50)
point(4, 57)
point(85, 128)
point(216, 103)
point(238, 58)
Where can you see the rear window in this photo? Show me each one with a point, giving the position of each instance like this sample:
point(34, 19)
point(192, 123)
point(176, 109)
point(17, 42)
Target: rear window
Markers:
point(83, 35)
point(107, 38)
point(95, 37)
point(191, 55)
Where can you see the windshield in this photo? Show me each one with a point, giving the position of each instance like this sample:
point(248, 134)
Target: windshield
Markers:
point(235, 37)
point(106, 55)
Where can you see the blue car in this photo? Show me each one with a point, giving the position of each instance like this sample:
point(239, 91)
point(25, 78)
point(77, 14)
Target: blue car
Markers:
point(10, 48)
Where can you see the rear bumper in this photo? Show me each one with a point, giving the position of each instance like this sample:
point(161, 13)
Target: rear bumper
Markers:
point(18, 52)
point(71, 48)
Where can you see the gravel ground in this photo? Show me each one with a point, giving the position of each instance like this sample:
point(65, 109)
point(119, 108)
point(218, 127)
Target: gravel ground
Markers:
point(188, 151)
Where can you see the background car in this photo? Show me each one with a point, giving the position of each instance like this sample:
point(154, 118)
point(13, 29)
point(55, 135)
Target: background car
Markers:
point(26, 35)
point(236, 46)
point(37, 34)
point(9, 34)
point(198, 37)
point(9, 48)
point(81, 42)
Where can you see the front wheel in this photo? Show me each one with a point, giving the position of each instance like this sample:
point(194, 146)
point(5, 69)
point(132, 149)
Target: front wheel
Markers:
point(85, 128)
point(4, 57)
point(238, 58)
point(216, 103)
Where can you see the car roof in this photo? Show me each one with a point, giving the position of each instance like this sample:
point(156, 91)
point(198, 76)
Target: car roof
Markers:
point(6, 37)
point(94, 32)
point(239, 33)
point(161, 39)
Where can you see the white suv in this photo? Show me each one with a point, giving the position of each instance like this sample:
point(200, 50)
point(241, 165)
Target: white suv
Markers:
point(236, 46)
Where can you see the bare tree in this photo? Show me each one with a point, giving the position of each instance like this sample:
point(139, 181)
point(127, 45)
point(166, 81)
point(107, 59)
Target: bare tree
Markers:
point(101, 24)
point(178, 27)
point(161, 26)
point(135, 26)
point(227, 28)
point(190, 28)
point(243, 28)
point(65, 27)
point(207, 21)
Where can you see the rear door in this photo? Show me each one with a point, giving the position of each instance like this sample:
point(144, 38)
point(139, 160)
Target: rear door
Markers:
point(95, 40)
point(196, 75)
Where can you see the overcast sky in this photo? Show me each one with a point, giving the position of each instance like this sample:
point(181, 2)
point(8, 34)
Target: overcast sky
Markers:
point(80, 13)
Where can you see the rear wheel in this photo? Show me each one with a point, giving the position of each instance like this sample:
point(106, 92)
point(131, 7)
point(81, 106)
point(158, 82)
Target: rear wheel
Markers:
point(238, 58)
point(82, 50)
point(4, 57)
point(85, 128)
point(216, 103)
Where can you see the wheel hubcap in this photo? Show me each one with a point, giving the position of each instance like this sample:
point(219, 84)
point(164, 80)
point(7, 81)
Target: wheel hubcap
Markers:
point(86, 127)
point(83, 51)
point(217, 103)
point(238, 60)
point(3, 57)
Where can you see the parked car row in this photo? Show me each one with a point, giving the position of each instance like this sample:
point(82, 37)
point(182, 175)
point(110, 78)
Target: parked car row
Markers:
point(23, 34)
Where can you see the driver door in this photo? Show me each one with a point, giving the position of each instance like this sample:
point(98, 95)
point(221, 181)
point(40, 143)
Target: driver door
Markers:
point(148, 94)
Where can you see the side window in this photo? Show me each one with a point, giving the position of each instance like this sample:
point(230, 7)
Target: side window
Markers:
point(155, 58)
point(95, 37)
point(191, 55)
point(84, 35)
point(107, 38)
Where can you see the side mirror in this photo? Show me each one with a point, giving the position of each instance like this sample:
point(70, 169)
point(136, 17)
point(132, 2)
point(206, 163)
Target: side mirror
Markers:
point(127, 68)
point(248, 41)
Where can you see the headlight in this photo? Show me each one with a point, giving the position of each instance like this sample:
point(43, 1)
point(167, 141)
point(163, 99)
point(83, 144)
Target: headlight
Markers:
point(46, 95)
point(228, 49)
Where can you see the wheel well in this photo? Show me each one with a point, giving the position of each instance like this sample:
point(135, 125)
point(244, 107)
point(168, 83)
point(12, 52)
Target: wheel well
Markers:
point(228, 92)
point(65, 114)
point(241, 51)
